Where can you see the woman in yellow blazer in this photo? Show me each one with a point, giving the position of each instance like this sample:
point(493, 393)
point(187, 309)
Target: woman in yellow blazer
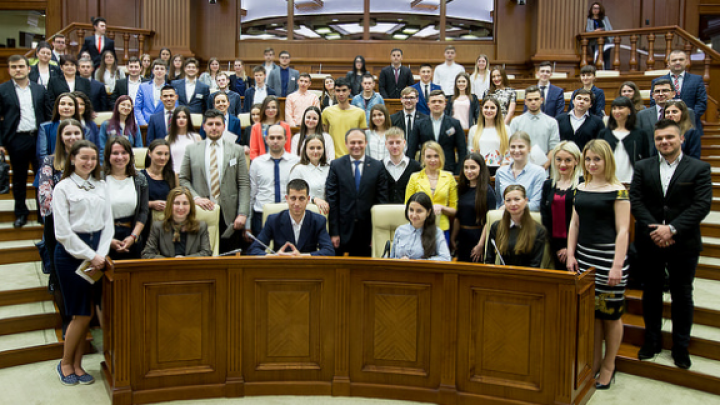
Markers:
point(439, 184)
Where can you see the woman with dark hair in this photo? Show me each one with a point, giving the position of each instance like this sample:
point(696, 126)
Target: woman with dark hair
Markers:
point(145, 65)
point(520, 241)
point(65, 108)
point(354, 77)
point(247, 133)
point(476, 197)
point(165, 55)
point(122, 123)
point(159, 173)
point(310, 125)
point(108, 72)
point(86, 112)
point(489, 137)
point(420, 239)
point(128, 193)
point(631, 91)
point(175, 70)
point(677, 111)
point(499, 88)
point(313, 168)
point(628, 141)
point(598, 238)
point(598, 21)
point(181, 133)
point(380, 122)
point(328, 97)
point(84, 229)
point(268, 116)
point(45, 68)
point(463, 105)
point(240, 81)
point(179, 234)
point(208, 77)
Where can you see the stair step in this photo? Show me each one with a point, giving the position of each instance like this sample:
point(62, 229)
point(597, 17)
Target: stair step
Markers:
point(32, 354)
point(708, 268)
point(7, 210)
point(20, 253)
point(21, 276)
point(31, 231)
point(20, 324)
point(705, 297)
point(28, 308)
point(23, 296)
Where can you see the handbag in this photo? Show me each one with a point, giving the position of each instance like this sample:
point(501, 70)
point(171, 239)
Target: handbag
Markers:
point(45, 262)
point(4, 175)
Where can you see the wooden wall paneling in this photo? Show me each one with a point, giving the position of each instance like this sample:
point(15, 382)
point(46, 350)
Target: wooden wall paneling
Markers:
point(448, 362)
point(514, 32)
point(53, 16)
point(175, 24)
point(235, 382)
point(216, 30)
point(124, 13)
point(341, 376)
point(80, 11)
point(558, 22)
point(585, 324)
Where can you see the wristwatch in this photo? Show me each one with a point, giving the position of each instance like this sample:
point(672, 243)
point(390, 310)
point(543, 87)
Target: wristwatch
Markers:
point(672, 229)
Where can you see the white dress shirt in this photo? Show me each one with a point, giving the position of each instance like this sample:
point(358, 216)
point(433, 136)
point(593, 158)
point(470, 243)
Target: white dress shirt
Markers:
point(133, 88)
point(297, 227)
point(71, 84)
point(260, 94)
point(190, 89)
point(262, 178)
point(623, 166)
point(314, 176)
point(396, 170)
point(219, 153)
point(576, 122)
point(27, 111)
point(667, 170)
point(444, 76)
point(375, 145)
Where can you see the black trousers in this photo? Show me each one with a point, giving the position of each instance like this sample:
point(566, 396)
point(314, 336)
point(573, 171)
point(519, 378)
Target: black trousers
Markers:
point(21, 149)
point(681, 270)
point(234, 242)
point(358, 244)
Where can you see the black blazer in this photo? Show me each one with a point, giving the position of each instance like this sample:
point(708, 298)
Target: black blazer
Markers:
point(99, 97)
point(686, 203)
point(398, 120)
point(10, 109)
point(90, 46)
point(636, 143)
point(474, 109)
point(356, 82)
point(35, 72)
point(121, 89)
point(452, 138)
point(58, 85)
point(388, 87)
point(590, 129)
point(396, 189)
point(548, 195)
point(350, 208)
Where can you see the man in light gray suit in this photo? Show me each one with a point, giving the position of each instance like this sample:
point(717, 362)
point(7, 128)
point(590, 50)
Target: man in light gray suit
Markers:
point(283, 79)
point(216, 173)
point(646, 119)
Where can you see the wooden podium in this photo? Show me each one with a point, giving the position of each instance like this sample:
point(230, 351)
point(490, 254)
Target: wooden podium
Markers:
point(448, 333)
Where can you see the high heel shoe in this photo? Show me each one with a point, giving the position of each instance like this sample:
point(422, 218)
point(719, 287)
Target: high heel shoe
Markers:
point(599, 386)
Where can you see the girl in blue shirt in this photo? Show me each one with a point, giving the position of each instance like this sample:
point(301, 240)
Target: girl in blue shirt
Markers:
point(420, 239)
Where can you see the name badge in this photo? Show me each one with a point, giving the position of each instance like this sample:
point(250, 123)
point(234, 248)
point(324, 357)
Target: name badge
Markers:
point(199, 96)
point(233, 162)
point(292, 78)
point(450, 132)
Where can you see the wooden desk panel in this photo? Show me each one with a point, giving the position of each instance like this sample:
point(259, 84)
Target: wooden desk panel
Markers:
point(423, 331)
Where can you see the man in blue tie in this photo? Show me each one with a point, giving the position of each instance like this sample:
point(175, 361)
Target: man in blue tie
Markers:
point(354, 184)
point(269, 175)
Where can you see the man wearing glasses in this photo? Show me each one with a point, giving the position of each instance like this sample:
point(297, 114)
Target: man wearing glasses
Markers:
point(409, 115)
point(661, 93)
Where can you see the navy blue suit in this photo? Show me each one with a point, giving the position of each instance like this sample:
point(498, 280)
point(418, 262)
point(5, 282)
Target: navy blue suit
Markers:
point(234, 98)
point(422, 103)
point(598, 107)
point(278, 228)
point(692, 92)
point(554, 104)
point(99, 97)
point(250, 96)
point(233, 125)
point(156, 127)
point(197, 102)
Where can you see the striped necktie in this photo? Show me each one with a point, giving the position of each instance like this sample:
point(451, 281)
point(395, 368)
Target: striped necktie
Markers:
point(214, 172)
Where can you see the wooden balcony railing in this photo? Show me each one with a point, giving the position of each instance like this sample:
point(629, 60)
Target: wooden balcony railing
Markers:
point(133, 39)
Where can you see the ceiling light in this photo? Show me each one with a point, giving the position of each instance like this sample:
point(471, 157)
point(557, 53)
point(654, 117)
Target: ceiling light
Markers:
point(400, 36)
point(323, 30)
point(333, 36)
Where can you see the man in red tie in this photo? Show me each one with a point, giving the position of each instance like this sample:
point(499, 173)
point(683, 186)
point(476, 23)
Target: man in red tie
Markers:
point(689, 87)
point(98, 43)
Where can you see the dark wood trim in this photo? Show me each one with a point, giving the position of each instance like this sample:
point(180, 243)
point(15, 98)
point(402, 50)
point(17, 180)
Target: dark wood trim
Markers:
point(19, 255)
point(9, 326)
point(15, 297)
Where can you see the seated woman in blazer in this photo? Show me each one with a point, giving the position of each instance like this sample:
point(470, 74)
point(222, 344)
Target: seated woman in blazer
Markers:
point(180, 234)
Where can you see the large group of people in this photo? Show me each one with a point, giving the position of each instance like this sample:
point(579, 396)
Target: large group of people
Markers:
point(350, 154)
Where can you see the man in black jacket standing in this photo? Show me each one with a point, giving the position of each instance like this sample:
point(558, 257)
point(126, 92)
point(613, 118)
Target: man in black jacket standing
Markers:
point(394, 78)
point(578, 125)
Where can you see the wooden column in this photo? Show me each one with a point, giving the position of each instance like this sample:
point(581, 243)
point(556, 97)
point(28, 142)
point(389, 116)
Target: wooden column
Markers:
point(174, 23)
point(558, 22)
point(290, 20)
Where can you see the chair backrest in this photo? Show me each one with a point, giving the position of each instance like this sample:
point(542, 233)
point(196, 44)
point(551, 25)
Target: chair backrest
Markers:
point(102, 117)
point(385, 219)
point(274, 208)
point(139, 154)
point(211, 218)
point(495, 215)
point(244, 119)
point(197, 120)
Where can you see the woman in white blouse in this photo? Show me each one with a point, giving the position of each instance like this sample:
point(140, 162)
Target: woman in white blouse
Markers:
point(128, 193)
point(84, 229)
point(379, 123)
point(489, 137)
point(313, 168)
point(181, 133)
point(108, 72)
point(310, 125)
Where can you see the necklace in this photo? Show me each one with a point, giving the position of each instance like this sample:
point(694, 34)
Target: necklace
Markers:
point(595, 187)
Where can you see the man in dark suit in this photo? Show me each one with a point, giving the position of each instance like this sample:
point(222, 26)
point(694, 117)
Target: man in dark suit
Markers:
point(670, 195)
point(578, 125)
point(98, 94)
point(663, 90)
point(61, 83)
point(232, 123)
point(409, 114)
point(354, 184)
point(130, 85)
point(98, 43)
point(256, 94)
point(424, 87)
point(295, 231)
point(59, 47)
point(191, 92)
point(22, 109)
point(689, 88)
point(442, 129)
point(394, 78)
point(554, 97)
point(159, 123)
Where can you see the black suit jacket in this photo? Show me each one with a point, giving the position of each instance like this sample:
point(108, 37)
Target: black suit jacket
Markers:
point(590, 129)
point(636, 143)
point(35, 72)
point(452, 138)
point(350, 208)
point(686, 203)
point(10, 109)
point(90, 46)
point(278, 229)
point(99, 97)
point(58, 85)
point(398, 120)
point(474, 109)
point(388, 87)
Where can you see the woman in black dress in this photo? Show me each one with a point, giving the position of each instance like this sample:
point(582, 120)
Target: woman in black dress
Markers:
point(598, 237)
point(160, 176)
point(556, 205)
point(476, 197)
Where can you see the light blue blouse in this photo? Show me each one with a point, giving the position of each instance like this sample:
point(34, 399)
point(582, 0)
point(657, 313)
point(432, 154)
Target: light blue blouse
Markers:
point(408, 242)
point(531, 177)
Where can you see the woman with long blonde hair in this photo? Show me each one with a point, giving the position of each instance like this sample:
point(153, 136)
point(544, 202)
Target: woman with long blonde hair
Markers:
point(489, 137)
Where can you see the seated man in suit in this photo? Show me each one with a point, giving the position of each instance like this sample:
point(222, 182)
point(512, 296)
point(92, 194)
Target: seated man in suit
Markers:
point(222, 81)
point(283, 79)
point(578, 125)
point(396, 77)
point(662, 91)
point(689, 88)
point(192, 93)
point(442, 129)
point(216, 173)
point(424, 87)
point(295, 231)
point(354, 184)
point(146, 103)
point(98, 43)
point(256, 95)
point(130, 85)
point(554, 104)
point(409, 115)
point(399, 167)
point(98, 94)
point(159, 122)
